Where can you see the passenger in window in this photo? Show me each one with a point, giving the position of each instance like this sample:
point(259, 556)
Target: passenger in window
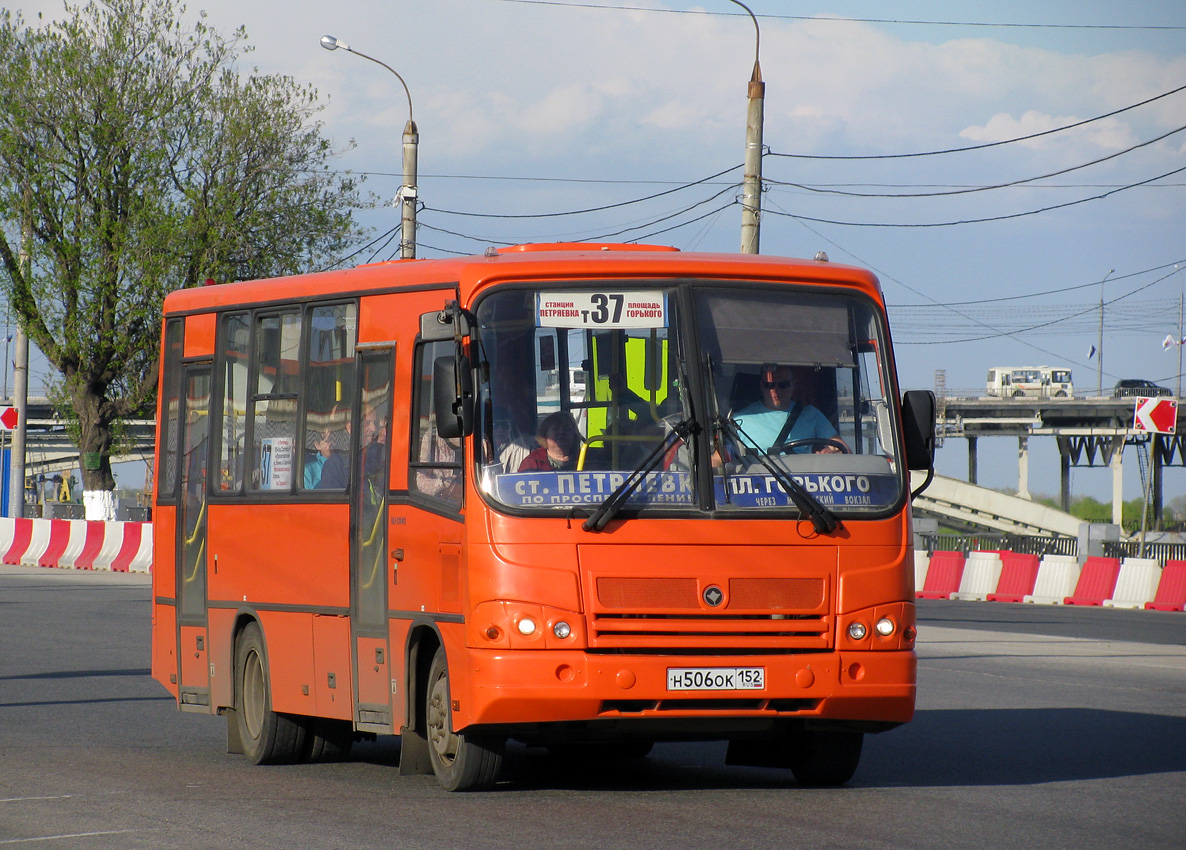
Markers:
point(444, 482)
point(335, 470)
point(777, 418)
point(322, 451)
point(559, 445)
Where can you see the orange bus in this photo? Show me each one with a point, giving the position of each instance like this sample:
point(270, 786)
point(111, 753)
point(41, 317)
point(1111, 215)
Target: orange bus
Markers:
point(527, 496)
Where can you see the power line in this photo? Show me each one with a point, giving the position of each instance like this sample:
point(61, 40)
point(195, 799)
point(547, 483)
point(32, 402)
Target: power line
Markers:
point(602, 208)
point(773, 17)
point(969, 190)
point(986, 144)
point(980, 220)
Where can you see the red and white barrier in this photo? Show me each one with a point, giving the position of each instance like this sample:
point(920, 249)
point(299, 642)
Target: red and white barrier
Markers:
point(1136, 584)
point(982, 572)
point(77, 544)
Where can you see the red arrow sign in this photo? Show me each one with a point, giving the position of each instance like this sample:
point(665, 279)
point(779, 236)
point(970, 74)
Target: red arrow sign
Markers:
point(1159, 415)
point(8, 418)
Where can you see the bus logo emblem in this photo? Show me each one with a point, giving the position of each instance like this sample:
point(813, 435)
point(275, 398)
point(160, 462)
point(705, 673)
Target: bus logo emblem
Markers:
point(713, 596)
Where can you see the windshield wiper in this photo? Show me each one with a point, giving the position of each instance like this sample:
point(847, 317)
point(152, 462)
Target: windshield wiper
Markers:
point(822, 519)
point(615, 500)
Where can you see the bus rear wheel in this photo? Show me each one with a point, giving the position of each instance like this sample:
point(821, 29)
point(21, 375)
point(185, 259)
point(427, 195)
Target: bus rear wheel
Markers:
point(823, 757)
point(460, 760)
point(267, 737)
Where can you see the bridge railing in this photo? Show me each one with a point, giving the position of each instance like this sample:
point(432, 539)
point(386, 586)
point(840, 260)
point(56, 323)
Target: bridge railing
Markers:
point(1163, 552)
point(1022, 543)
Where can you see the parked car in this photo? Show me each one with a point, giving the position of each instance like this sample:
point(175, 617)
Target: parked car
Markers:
point(1133, 387)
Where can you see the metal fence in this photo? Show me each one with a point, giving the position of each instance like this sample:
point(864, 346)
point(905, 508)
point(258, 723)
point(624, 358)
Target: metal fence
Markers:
point(1163, 552)
point(1023, 543)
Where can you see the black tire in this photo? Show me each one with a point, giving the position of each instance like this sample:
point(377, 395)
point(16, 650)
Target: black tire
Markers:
point(820, 758)
point(267, 737)
point(328, 740)
point(461, 761)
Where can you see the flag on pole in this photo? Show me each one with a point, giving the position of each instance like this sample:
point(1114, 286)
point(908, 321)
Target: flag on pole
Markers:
point(1091, 353)
point(1169, 342)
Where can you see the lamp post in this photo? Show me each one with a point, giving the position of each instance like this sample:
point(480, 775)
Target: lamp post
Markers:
point(407, 192)
point(751, 193)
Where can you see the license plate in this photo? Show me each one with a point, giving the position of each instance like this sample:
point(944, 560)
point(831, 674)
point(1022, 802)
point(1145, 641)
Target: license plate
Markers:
point(716, 678)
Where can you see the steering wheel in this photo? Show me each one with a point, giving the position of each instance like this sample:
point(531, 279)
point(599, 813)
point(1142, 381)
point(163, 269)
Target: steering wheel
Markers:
point(790, 445)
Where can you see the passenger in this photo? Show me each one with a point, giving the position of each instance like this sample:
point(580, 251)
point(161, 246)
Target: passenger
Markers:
point(444, 481)
point(777, 418)
point(322, 451)
point(559, 445)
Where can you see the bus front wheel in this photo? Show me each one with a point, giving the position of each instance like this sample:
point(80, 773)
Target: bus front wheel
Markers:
point(460, 760)
point(267, 737)
point(823, 757)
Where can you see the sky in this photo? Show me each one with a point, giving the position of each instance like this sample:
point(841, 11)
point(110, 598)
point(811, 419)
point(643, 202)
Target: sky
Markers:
point(546, 120)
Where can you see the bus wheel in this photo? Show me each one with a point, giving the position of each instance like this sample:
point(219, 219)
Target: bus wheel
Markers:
point(821, 757)
point(267, 737)
point(461, 761)
point(328, 740)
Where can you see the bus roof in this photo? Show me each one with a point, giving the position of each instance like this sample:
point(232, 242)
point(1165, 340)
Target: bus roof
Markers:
point(549, 261)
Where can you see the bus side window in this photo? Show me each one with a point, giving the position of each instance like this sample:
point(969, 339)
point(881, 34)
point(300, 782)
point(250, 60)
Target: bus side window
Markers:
point(436, 467)
point(329, 388)
point(277, 353)
point(233, 333)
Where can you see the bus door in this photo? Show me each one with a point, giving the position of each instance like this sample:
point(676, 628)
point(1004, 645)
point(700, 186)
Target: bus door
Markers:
point(192, 462)
point(368, 546)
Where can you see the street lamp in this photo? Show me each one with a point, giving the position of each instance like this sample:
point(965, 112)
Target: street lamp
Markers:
point(751, 193)
point(407, 192)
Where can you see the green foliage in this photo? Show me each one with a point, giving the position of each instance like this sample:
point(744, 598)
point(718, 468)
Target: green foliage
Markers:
point(135, 159)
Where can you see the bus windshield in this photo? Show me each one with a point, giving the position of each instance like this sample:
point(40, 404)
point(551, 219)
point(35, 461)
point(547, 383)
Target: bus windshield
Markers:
point(708, 392)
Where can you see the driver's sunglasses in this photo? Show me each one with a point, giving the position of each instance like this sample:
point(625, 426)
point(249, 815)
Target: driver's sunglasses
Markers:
point(782, 385)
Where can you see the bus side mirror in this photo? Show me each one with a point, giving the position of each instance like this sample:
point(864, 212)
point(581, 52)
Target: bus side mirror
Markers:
point(453, 396)
point(918, 424)
point(444, 325)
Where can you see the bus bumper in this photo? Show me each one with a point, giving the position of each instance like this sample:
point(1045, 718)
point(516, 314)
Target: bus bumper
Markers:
point(510, 689)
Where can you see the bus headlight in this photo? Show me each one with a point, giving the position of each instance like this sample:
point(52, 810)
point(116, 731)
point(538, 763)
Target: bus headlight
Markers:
point(857, 630)
point(526, 626)
point(885, 627)
point(562, 630)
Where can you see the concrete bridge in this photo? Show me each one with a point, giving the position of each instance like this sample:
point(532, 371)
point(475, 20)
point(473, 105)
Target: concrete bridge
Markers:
point(972, 509)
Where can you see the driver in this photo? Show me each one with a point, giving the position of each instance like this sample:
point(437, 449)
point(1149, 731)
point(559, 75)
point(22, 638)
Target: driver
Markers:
point(777, 418)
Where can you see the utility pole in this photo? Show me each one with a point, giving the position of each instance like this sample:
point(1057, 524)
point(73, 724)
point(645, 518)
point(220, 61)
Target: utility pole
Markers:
point(1099, 351)
point(751, 193)
point(408, 191)
point(20, 390)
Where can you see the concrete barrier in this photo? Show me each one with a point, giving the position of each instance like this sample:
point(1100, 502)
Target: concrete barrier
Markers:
point(982, 572)
point(921, 561)
point(1097, 581)
point(1057, 577)
point(77, 544)
point(943, 576)
point(1136, 584)
point(39, 540)
point(1171, 590)
point(1019, 574)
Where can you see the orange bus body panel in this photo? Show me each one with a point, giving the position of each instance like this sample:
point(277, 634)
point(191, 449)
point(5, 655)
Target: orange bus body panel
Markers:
point(633, 595)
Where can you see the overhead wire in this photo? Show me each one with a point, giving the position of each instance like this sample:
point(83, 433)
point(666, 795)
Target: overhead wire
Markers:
point(842, 20)
point(972, 189)
point(984, 145)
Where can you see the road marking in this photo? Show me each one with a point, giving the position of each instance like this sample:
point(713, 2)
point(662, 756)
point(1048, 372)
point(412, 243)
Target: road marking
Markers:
point(70, 835)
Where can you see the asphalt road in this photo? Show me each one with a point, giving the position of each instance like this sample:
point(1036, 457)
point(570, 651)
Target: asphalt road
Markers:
point(1037, 727)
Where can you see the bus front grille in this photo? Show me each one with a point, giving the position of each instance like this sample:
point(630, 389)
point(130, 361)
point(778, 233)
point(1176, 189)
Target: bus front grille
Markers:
point(650, 613)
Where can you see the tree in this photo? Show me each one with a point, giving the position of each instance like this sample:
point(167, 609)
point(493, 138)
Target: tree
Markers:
point(138, 160)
